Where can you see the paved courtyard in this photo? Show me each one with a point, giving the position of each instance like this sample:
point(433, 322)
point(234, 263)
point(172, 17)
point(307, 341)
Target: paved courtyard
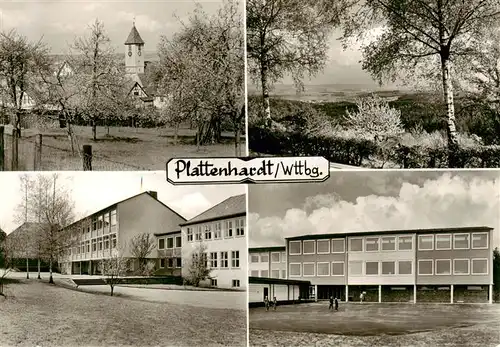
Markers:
point(376, 325)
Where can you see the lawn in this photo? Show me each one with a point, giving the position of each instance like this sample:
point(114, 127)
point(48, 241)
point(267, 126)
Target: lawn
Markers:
point(124, 148)
point(376, 325)
point(38, 314)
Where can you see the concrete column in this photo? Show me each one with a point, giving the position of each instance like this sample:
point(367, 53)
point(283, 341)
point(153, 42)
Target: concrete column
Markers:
point(490, 296)
point(316, 292)
point(80, 267)
point(414, 293)
point(451, 294)
point(346, 293)
point(379, 293)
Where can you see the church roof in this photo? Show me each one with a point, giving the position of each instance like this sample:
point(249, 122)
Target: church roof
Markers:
point(134, 38)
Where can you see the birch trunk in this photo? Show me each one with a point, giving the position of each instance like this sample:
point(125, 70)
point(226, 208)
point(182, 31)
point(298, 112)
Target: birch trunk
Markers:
point(265, 91)
point(39, 277)
point(51, 280)
point(27, 269)
point(450, 112)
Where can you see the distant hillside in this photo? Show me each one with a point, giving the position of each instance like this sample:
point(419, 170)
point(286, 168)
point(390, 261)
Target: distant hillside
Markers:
point(148, 56)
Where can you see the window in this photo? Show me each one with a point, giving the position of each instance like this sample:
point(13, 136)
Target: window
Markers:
point(275, 257)
point(294, 247)
point(136, 92)
point(356, 245)
point(254, 273)
point(371, 244)
point(264, 258)
point(479, 266)
point(405, 243)
point(308, 269)
point(388, 268)
point(443, 266)
point(338, 245)
point(425, 267)
point(254, 258)
point(275, 273)
point(170, 242)
point(113, 217)
point(162, 263)
point(106, 223)
point(99, 240)
point(479, 240)
point(283, 257)
point(190, 234)
point(224, 261)
point(309, 247)
point(178, 263)
point(405, 267)
point(283, 273)
point(323, 246)
point(170, 263)
point(213, 259)
point(208, 232)
point(356, 267)
point(264, 273)
point(461, 241)
point(294, 270)
point(425, 242)
point(218, 231)
point(87, 246)
point(94, 245)
point(94, 223)
point(236, 283)
point(99, 223)
point(178, 241)
point(371, 268)
point(106, 242)
point(323, 269)
point(240, 227)
point(389, 243)
point(197, 236)
point(229, 229)
point(460, 266)
point(443, 241)
point(338, 268)
point(235, 259)
point(213, 282)
point(113, 241)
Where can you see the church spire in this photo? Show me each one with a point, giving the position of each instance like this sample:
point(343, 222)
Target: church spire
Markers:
point(134, 38)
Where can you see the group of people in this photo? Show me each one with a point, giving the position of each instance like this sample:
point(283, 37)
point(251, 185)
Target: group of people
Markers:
point(332, 302)
point(267, 303)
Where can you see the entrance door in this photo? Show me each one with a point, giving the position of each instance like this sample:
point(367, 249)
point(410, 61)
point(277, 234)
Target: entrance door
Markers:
point(266, 294)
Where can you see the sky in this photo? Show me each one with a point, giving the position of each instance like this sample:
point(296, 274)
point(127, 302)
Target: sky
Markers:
point(59, 22)
point(374, 200)
point(93, 191)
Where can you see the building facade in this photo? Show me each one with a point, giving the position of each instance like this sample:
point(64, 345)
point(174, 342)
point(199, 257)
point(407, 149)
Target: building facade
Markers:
point(427, 265)
point(109, 232)
point(267, 262)
point(169, 253)
point(220, 233)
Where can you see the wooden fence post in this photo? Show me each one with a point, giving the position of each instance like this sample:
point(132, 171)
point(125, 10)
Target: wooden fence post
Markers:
point(87, 158)
point(37, 158)
point(15, 150)
point(2, 148)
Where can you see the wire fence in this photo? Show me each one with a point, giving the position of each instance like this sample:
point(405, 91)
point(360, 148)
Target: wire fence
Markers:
point(32, 153)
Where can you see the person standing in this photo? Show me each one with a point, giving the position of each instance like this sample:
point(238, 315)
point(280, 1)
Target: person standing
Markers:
point(266, 303)
point(275, 303)
point(331, 303)
point(336, 304)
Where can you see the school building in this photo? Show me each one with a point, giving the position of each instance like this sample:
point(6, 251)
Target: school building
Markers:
point(449, 265)
point(220, 232)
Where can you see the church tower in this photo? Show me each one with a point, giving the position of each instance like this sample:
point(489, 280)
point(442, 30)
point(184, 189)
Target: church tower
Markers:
point(134, 52)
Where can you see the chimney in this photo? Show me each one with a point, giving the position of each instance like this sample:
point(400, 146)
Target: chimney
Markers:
point(153, 194)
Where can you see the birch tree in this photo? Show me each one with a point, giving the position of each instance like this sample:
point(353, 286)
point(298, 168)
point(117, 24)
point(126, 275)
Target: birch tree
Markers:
point(419, 38)
point(114, 268)
point(198, 269)
point(288, 38)
point(141, 247)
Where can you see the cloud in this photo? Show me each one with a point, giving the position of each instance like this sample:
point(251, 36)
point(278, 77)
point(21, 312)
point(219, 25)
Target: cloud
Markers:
point(144, 22)
point(92, 6)
point(444, 202)
point(13, 19)
point(190, 205)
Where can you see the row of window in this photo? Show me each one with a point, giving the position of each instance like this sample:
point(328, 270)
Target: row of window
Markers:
point(276, 257)
point(234, 283)
point(100, 225)
point(391, 243)
point(94, 245)
point(265, 273)
point(214, 231)
point(171, 242)
point(171, 263)
point(311, 269)
point(221, 260)
point(476, 266)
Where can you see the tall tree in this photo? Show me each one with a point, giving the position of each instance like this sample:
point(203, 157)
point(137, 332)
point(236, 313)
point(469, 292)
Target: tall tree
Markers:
point(114, 268)
point(288, 37)
point(100, 80)
point(421, 37)
point(22, 63)
point(198, 269)
point(141, 247)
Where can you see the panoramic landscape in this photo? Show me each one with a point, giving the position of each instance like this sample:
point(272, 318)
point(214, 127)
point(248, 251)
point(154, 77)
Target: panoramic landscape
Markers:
point(350, 84)
point(122, 266)
point(122, 87)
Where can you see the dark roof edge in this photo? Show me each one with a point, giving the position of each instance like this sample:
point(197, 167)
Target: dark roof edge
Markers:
point(232, 215)
point(167, 233)
point(267, 280)
point(265, 249)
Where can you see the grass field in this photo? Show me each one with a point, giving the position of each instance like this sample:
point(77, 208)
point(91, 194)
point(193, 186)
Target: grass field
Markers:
point(124, 148)
point(376, 325)
point(38, 314)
